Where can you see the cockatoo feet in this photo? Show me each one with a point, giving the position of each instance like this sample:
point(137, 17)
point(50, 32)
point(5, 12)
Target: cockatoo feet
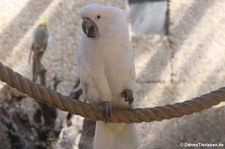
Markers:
point(128, 95)
point(107, 110)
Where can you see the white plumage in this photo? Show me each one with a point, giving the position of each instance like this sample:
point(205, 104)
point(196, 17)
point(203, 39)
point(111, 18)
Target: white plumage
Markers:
point(106, 68)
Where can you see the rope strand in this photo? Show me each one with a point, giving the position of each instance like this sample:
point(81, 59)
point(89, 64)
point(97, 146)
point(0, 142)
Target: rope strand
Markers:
point(95, 112)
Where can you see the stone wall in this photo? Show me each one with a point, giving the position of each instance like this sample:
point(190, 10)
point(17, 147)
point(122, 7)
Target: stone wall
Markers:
point(193, 66)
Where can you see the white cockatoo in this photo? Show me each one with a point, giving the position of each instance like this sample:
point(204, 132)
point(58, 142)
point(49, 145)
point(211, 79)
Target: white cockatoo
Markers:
point(106, 70)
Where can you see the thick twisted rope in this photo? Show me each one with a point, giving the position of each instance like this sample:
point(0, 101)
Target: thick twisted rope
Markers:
point(95, 112)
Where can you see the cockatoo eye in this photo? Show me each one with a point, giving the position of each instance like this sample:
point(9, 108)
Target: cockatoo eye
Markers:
point(98, 16)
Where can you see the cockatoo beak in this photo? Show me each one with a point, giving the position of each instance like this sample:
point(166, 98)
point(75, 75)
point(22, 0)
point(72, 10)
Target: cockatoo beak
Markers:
point(89, 27)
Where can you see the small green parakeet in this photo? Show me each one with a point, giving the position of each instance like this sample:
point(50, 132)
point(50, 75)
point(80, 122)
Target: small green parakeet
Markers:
point(39, 45)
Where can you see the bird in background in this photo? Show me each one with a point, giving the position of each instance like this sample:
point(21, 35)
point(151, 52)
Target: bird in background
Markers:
point(39, 45)
point(106, 70)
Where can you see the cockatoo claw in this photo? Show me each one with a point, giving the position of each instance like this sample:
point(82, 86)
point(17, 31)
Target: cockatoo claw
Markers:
point(107, 111)
point(128, 95)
